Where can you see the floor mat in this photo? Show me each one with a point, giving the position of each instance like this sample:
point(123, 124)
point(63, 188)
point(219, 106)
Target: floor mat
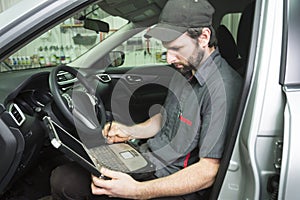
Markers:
point(36, 183)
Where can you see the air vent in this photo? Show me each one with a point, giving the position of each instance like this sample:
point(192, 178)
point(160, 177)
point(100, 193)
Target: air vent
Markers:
point(16, 114)
point(105, 78)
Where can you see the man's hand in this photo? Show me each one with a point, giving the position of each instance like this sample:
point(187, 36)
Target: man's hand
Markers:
point(121, 185)
point(193, 178)
point(116, 132)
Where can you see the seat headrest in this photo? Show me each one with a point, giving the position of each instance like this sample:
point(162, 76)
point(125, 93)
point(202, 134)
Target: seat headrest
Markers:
point(227, 45)
point(245, 30)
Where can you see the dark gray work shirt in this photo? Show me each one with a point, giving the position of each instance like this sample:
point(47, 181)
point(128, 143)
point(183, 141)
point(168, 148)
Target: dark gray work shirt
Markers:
point(196, 115)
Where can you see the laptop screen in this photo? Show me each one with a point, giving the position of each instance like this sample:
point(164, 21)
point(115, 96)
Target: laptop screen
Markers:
point(69, 145)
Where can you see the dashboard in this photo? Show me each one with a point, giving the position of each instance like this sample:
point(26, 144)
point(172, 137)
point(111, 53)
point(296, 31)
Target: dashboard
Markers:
point(25, 98)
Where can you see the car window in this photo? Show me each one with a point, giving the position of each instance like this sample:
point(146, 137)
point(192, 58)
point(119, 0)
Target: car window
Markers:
point(7, 4)
point(141, 51)
point(231, 21)
point(63, 43)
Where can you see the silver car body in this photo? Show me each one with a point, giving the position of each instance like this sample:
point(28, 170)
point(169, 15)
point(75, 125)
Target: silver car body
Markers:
point(268, 138)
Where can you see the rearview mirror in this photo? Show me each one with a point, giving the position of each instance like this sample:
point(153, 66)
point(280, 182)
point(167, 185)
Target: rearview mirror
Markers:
point(96, 25)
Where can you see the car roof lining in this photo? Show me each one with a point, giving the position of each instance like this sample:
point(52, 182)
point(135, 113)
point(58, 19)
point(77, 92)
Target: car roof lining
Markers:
point(132, 10)
point(142, 11)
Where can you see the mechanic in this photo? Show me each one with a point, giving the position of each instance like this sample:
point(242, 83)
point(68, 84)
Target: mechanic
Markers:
point(186, 140)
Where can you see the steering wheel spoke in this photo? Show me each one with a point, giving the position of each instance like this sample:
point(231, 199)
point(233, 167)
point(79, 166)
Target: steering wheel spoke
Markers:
point(80, 107)
point(68, 100)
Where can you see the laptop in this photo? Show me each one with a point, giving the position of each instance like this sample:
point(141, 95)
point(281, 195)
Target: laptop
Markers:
point(123, 157)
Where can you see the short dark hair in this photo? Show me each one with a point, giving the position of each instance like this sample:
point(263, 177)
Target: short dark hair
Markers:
point(196, 32)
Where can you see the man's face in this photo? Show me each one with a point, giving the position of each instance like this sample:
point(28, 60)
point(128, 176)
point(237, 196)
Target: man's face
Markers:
point(184, 53)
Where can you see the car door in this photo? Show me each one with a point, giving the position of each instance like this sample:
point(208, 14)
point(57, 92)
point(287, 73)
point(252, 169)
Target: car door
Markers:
point(290, 80)
point(138, 92)
point(139, 83)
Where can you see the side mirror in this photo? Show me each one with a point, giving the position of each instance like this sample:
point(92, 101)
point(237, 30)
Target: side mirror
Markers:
point(117, 58)
point(96, 25)
point(163, 57)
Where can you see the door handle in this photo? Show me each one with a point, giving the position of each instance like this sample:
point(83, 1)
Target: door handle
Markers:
point(134, 78)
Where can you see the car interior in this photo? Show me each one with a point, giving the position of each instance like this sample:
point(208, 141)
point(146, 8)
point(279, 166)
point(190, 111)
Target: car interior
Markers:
point(27, 95)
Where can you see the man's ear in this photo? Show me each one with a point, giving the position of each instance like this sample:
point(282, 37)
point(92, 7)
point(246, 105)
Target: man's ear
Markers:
point(204, 38)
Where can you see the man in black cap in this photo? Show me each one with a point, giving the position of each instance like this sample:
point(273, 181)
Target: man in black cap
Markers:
point(189, 135)
point(186, 140)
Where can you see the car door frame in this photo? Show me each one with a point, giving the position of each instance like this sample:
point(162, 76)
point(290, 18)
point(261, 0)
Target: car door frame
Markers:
point(290, 81)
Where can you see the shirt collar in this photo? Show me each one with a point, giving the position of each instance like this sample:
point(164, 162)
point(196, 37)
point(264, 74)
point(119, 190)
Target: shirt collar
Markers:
point(207, 68)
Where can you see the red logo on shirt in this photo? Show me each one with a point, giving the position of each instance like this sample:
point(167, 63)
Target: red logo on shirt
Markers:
point(185, 120)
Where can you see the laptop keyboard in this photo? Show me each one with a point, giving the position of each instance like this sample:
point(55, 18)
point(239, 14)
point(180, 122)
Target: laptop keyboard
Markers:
point(108, 158)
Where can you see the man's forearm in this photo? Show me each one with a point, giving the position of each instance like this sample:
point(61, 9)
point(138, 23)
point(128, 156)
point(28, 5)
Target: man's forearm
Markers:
point(146, 129)
point(198, 176)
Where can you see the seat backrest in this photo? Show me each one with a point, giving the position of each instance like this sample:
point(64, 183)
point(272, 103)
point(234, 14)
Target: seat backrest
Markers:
point(236, 54)
point(244, 35)
point(227, 46)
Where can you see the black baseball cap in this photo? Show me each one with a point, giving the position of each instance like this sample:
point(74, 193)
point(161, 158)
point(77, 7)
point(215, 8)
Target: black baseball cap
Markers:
point(179, 15)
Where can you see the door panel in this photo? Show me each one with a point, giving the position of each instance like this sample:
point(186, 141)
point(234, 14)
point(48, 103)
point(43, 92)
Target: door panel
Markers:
point(137, 92)
point(290, 156)
point(290, 80)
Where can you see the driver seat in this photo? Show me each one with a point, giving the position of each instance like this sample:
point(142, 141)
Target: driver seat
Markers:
point(243, 46)
point(236, 53)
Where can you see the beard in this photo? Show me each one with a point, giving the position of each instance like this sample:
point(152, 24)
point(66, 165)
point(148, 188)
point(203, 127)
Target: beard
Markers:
point(193, 62)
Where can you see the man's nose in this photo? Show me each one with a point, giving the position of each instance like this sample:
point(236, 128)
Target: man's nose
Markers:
point(171, 58)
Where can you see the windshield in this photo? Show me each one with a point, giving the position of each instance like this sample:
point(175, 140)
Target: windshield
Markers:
point(66, 41)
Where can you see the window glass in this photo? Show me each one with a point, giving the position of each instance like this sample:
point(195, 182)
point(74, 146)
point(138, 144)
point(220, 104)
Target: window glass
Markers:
point(231, 21)
point(63, 43)
point(141, 51)
point(5, 4)
point(290, 74)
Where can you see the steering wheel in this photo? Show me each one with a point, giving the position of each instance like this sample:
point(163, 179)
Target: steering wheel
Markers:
point(80, 107)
